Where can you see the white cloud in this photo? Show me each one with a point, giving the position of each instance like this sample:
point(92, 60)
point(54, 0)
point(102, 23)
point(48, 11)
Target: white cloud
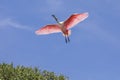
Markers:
point(4, 23)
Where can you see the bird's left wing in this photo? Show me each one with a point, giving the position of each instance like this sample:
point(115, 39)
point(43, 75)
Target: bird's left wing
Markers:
point(75, 19)
point(48, 29)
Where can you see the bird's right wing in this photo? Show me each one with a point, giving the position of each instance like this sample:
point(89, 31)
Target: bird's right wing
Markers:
point(75, 19)
point(48, 29)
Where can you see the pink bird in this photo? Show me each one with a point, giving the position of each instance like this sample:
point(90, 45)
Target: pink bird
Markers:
point(63, 27)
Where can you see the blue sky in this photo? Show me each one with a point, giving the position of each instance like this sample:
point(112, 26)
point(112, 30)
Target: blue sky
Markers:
point(92, 54)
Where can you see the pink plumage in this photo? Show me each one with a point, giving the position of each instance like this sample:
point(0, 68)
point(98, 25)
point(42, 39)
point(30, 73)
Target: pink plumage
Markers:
point(48, 29)
point(75, 19)
point(63, 27)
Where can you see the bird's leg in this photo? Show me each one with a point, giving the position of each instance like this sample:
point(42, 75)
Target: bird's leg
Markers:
point(66, 39)
point(55, 18)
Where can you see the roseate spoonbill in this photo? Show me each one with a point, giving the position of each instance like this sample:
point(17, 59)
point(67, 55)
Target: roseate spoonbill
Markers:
point(64, 26)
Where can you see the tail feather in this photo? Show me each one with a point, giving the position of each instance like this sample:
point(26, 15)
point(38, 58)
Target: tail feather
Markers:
point(68, 33)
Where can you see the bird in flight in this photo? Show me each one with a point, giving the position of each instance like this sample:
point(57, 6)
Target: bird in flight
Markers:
point(63, 27)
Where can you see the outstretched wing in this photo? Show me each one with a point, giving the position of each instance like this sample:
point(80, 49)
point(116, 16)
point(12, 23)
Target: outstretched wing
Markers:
point(75, 19)
point(48, 29)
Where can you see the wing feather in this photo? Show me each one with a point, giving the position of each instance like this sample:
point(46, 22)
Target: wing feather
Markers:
point(48, 29)
point(75, 19)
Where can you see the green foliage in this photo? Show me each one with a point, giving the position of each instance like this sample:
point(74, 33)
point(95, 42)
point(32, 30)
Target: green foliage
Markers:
point(9, 72)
